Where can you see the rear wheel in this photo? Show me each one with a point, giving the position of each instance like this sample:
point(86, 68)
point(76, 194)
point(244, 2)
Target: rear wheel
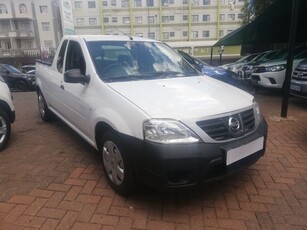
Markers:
point(116, 164)
point(44, 111)
point(5, 129)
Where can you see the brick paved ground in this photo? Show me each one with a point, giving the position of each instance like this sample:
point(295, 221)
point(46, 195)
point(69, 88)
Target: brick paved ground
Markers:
point(51, 179)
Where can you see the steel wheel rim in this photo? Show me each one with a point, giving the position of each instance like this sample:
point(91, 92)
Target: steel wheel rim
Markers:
point(41, 105)
point(3, 129)
point(113, 162)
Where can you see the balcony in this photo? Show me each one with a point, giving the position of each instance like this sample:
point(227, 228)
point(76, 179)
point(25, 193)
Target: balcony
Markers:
point(17, 34)
point(20, 53)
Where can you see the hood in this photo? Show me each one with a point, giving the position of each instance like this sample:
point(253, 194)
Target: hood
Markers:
point(183, 98)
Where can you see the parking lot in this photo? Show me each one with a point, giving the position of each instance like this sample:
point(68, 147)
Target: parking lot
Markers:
point(51, 179)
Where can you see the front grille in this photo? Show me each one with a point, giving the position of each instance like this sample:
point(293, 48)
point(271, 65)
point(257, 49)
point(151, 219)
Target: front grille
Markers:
point(219, 129)
point(300, 74)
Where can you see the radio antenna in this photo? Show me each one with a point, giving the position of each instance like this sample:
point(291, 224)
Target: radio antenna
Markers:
point(131, 38)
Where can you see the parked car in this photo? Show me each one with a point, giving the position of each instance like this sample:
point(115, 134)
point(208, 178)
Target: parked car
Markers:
point(247, 69)
point(152, 116)
point(218, 73)
point(272, 74)
point(298, 85)
point(27, 68)
point(236, 66)
point(15, 79)
point(7, 113)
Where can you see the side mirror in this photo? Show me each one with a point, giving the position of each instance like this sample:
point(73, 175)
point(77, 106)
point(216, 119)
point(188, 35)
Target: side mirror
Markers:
point(75, 76)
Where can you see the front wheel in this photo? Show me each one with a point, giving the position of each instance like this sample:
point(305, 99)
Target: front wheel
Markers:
point(44, 111)
point(5, 129)
point(116, 164)
point(20, 85)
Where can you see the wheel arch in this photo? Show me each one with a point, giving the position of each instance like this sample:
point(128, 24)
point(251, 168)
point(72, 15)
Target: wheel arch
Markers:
point(6, 108)
point(100, 128)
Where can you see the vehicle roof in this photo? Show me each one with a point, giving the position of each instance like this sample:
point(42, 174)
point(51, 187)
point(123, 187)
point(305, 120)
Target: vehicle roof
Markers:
point(109, 38)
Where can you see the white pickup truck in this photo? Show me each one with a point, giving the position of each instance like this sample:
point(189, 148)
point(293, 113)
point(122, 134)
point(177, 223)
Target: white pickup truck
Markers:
point(151, 115)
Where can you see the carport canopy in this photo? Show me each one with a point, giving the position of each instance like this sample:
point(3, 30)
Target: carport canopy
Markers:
point(272, 26)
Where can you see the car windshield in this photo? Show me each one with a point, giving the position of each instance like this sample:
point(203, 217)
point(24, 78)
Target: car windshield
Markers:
point(135, 60)
point(12, 68)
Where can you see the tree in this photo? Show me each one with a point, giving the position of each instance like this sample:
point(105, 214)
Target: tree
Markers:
point(252, 8)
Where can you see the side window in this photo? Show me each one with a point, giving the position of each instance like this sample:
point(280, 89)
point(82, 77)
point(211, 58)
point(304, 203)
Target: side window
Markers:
point(75, 58)
point(60, 60)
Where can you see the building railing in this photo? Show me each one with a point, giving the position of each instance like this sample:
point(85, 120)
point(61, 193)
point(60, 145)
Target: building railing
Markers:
point(17, 34)
point(35, 53)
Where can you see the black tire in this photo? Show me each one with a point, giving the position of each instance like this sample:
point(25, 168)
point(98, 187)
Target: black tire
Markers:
point(43, 109)
point(5, 129)
point(20, 85)
point(116, 164)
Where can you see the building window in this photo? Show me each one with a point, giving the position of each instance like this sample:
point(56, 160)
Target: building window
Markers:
point(184, 2)
point(91, 4)
point(78, 5)
point(240, 16)
point(43, 9)
point(151, 19)
point(194, 18)
point(137, 3)
point(23, 9)
point(221, 33)
point(231, 17)
point(106, 20)
point(113, 2)
point(222, 17)
point(185, 33)
point(114, 19)
point(229, 31)
point(138, 20)
point(206, 2)
point(105, 3)
point(126, 20)
point(166, 19)
point(48, 44)
point(125, 3)
point(92, 21)
point(194, 34)
point(195, 2)
point(151, 35)
point(167, 2)
point(46, 26)
point(80, 21)
point(206, 34)
point(149, 2)
point(172, 34)
point(139, 35)
point(206, 17)
point(3, 9)
point(184, 17)
point(25, 26)
point(165, 35)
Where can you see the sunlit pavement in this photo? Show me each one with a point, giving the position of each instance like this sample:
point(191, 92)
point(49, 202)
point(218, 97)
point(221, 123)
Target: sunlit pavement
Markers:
point(51, 179)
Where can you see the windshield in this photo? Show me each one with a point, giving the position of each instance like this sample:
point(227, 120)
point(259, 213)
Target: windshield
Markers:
point(12, 69)
point(135, 60)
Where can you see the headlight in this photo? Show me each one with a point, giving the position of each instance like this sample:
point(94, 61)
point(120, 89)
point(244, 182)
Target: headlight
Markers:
point(257, 112)
point(168, 132)
point(275, 68)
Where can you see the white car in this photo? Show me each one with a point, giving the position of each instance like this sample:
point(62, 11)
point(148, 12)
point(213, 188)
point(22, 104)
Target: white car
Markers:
point(152, 116)
point(238, 65)
point(272, 74)
point(7, 113)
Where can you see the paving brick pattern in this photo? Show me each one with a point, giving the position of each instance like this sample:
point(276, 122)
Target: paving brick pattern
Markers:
point(51, 179)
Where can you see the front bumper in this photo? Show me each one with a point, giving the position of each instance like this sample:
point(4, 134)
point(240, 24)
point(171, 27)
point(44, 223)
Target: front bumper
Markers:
point(298, 88)
point(184, 165)
point(268, 79)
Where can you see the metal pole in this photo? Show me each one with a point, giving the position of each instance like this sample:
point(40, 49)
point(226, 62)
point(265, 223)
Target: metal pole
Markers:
point(148, 19)
point(211, 54)
point(291, 45)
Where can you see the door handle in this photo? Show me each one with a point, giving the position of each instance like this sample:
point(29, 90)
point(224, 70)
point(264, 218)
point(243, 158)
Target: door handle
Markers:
point(62, 87)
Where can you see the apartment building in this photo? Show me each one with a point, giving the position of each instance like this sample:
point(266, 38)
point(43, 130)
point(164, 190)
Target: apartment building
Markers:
point(28, 27)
